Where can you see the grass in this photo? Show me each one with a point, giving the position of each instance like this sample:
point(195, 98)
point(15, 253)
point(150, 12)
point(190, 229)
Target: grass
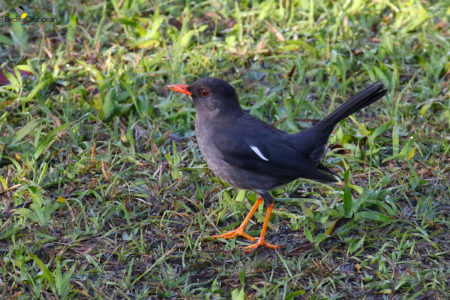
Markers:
point(104, 191)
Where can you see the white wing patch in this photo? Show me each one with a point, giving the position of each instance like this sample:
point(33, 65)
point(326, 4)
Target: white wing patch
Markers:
point(258, 152)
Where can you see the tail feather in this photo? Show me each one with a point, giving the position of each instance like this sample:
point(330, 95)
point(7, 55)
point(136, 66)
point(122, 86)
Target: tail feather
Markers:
point(313, 140)
point(357, 102)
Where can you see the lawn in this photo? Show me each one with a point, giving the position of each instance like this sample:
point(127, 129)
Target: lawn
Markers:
point(104, 192)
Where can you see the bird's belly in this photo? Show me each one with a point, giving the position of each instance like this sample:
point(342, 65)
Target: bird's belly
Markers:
point(245, 179)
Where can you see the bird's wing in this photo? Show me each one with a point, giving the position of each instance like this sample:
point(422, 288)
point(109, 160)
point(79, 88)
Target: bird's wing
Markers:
point(266, 151)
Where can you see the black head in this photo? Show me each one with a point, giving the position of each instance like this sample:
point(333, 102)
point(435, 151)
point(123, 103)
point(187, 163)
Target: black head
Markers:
point(212, 97)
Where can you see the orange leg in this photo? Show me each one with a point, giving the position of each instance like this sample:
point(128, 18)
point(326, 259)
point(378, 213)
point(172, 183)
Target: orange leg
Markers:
point(261, 241)
point(240, 230)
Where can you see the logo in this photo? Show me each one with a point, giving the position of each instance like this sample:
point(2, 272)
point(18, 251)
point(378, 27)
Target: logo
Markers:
point(25, 17)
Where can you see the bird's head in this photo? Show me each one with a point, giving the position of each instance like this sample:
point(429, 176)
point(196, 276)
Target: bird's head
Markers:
point(212, 97)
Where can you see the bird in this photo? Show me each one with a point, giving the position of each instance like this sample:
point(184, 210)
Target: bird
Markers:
point(250, 154)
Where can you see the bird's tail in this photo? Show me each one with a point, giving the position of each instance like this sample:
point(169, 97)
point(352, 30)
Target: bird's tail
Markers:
point(314, 139)
point(357, 102)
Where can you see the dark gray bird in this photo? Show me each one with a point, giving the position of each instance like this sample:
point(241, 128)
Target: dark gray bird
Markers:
point(250, 154)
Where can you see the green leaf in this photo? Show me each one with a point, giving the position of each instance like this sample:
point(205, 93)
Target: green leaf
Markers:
point(307, 210)
point(395, 139)
point(308, 234)
point(108, 105)
point(186, 38)
point(3, 183)
point(24, 131)
point(425, 108)
point(126, 21)
point(320, 238)
point(293, 295)
point(240, 196)
point(38, 87)
point(66, 287)
point(331, 228)
point(380, 130)
point(19, 34)
point(238, 294)
point(13, 81)
point(411, 153)
point(145, 43)
point(157, 20)
point(347, 196)
point(48, 140)
point(45, 272)
point(58, 277)
point(238, 26)
point(71, 28)
point(406, 149)
point(242, 277)
point(355, 245)
point(371, 215)
point(5, 40)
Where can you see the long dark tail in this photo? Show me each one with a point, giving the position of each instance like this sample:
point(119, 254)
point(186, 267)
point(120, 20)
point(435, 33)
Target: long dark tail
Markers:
point(314, 139)
point(357, 102)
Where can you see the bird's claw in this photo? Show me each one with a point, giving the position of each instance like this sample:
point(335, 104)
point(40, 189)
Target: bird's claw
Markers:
point(234, 233)
point(261, 243)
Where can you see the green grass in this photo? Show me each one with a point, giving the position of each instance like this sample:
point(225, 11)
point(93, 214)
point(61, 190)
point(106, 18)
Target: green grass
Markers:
point(104, 193)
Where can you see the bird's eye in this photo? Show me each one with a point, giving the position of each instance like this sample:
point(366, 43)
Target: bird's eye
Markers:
point(204, 92)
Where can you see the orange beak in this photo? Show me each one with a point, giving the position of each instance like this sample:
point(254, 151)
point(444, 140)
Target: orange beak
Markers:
point(180, 88)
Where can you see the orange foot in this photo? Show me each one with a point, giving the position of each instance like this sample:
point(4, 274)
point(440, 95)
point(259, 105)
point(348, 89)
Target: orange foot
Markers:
point(261, 243)
point(234, 233)
point(240, 230)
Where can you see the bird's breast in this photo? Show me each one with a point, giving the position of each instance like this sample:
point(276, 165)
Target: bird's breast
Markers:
point(204, 132)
